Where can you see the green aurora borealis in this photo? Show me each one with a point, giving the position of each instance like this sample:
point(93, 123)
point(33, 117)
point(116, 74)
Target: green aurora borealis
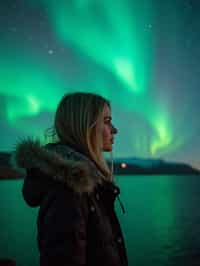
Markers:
point(132, 53)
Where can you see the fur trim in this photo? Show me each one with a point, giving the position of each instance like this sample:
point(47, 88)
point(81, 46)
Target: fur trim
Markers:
point(78, 173)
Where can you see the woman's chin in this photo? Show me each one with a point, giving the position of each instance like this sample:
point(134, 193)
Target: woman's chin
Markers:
point(107, 148)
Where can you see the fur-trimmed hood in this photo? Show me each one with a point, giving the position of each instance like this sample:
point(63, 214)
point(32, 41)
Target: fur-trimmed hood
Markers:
point(60, 162)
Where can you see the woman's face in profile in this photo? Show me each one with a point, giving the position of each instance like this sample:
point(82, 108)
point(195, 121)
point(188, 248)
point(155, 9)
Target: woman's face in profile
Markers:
point(108, 130)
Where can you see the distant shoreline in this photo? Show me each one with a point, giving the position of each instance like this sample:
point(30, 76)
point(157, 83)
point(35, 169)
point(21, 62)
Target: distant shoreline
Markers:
point(136, 166)
point(122, 166)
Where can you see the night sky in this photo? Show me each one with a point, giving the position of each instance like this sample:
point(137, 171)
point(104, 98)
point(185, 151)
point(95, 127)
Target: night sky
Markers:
point(142, 55)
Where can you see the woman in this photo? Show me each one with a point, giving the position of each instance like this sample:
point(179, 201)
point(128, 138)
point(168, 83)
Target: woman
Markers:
point(73, 186)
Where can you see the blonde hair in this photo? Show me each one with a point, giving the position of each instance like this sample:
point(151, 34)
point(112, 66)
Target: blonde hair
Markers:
point(77, 123)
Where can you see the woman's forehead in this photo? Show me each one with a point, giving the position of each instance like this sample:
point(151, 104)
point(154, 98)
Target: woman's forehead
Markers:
point(106, 111)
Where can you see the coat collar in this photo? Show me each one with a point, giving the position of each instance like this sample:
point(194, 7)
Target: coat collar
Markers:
point(59, 161)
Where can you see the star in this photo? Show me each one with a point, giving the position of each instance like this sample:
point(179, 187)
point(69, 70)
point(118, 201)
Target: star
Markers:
point(50, 52)
point(148, 27)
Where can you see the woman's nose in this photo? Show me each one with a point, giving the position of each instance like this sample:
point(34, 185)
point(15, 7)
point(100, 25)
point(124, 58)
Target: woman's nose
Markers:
point(114, 130)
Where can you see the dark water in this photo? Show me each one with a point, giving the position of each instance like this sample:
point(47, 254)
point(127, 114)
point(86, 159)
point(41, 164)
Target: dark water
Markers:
point(162, 220)
point(161, 223)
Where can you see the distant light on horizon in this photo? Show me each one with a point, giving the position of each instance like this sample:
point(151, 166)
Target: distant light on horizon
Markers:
point(123, 165)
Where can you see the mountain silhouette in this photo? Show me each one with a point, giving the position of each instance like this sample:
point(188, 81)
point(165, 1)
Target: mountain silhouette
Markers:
point(122, 166)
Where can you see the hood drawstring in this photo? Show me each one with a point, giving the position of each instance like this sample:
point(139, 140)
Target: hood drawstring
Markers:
point(112, 172)
point(121, 205)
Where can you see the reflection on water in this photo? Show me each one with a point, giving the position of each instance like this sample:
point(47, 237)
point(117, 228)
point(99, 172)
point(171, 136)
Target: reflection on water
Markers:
point(162, 220)
point(161, 223)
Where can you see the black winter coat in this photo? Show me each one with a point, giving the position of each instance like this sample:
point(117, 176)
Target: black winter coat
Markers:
point(77, 223)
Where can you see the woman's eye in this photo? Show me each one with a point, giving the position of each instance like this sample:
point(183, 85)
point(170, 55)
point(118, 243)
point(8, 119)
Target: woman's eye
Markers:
point(108, 122)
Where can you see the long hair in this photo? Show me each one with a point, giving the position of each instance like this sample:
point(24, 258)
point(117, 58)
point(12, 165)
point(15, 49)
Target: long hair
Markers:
point(77, 123)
